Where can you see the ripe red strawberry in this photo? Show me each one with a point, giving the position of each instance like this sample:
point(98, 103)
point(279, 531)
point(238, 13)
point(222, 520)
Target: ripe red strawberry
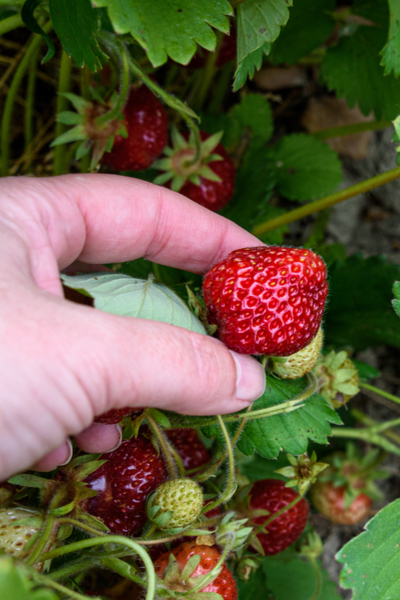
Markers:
point(210, 181)
point(123, 483)
point(115, 415)
point(224, 584)
point(147, 125)
point(189, 446)
point(267, 300)
point(272, 495)
point(330, 502)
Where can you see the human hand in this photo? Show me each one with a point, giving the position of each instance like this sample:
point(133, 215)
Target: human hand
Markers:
point(61, 363)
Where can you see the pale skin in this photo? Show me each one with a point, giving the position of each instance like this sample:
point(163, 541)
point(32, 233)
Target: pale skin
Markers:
point(62, 363)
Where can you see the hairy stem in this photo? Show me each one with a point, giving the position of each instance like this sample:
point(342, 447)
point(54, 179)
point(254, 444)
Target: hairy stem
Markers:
point(124, 89)
point(46, 581)
point(365, 420)
point(164, 446)
point(367, 436)
point(111, 539)
point(333, 132)
point(331, 200)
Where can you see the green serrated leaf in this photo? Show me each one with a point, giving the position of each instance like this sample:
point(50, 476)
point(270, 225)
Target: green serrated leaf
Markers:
point(28, 18)
point(289, 432)
point(76, 23)
point(391, 52)
point(248, 66)
point(255, 112)
point(306, 168)
point(145, 299)
point(372, 559)
point(359, 312)
point(259, 21)
point(352, 68)
point(169, 27)
point(311, 23)
point(284, 572)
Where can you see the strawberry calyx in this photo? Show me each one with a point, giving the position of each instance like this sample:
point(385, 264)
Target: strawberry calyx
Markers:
point(184, 162)
point(337, 378)
point(303, 471)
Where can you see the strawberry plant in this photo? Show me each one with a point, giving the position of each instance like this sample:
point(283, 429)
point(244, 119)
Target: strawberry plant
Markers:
point(211, 99)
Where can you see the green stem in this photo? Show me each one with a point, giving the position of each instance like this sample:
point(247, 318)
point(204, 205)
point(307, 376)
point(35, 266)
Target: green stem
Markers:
point(124, 89)
point(333, 132)
point(164, 446)
point(372, 388)
point(207, 75)
point(80, 525)
point(64, 85)
point(74, 568)
point(318, 577)
point(332, 199)
point(45, 535)
point(367, 436)
point(111, 539)
point(30, 98)
point(231, 485)
point(365, 420)
point(84, 163)
point(222, 85)
point(61, 588)
point(119, 566)
point(6, 121)
point(11, 23)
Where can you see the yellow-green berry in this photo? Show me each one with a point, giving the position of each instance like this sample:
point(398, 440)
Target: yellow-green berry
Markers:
point(183, 497)
point(300, 363)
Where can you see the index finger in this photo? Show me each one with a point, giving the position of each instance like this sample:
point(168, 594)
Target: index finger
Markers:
point(110, 218)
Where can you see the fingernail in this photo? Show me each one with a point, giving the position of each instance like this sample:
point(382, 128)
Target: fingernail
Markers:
point(71, 451)
point(251, 379)
point(117, 445)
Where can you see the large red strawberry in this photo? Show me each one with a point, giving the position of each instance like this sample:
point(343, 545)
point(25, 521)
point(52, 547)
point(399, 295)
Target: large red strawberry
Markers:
point(189, 446)
point(210, 181)
point(267, 300)
point(147, 125)
point(272, 495)
point(123, 483)
point(223, 584)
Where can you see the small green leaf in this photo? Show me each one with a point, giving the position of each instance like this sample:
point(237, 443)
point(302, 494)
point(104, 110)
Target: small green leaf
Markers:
point(76, 23)
point(255, 112)
point(145, 299)
point(372, 559)
point(69, 118)
point(29, 481)
point(72, 135)
point(169, 27)
point(159, 417)
point(306, 168)
point(62, 510)
point(28, 18)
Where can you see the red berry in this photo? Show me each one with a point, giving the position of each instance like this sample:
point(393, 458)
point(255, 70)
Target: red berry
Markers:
point(330, 502)
point(189, 446)
point(123, 483)
point(115, 415)
point(214, 195)
point(224, 584)
point(267, 300)
point(147, 125)
point(272, 495)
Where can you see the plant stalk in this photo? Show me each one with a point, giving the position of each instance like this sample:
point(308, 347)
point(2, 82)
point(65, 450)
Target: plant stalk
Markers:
point(64, 85)
point(351, 129)
point(11, 23)
point(331, 200)
point(382, 393)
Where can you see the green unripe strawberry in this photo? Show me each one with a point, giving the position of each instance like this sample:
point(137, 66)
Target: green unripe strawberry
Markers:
point(176, 503)
point(300, 363)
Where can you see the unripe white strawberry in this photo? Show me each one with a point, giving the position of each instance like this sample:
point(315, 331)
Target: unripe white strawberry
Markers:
point(183, 497)
point(14, 537)
point(300, 363)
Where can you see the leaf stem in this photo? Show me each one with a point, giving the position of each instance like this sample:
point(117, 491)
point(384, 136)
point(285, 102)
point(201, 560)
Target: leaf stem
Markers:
point(333, 132)
point(11, 23)
point(124, 89)
point(164, 446)
point(30, 98)
point(382, 393)
point(60, 588)
point(331, 200)
point(6, 121)
point(111, 539)
point(318, 577)
point(367, 436)
point(64, 84)
point(231, 485)
point(78, 524)
point(117, 565)
point(365, 420)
